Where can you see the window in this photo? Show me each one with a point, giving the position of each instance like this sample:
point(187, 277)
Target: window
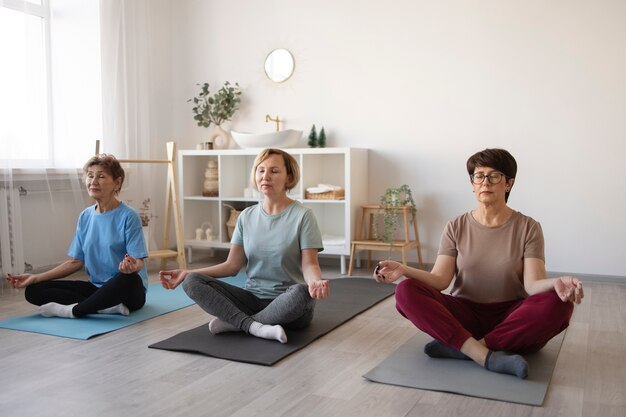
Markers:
point(24, 131)
point(50, 106)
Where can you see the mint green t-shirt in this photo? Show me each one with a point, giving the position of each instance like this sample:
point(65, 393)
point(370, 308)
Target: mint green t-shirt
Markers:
point(273, 245)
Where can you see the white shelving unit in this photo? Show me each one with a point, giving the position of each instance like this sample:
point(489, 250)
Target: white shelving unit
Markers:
point(346, 167)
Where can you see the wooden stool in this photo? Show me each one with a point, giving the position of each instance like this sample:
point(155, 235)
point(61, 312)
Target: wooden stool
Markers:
point(366, 241)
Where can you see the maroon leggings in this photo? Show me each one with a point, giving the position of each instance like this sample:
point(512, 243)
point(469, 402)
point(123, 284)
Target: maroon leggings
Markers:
point(521, 326)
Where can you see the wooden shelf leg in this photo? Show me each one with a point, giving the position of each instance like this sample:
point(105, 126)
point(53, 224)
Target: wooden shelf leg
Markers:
point(420, 265)
point(178, 220)
point(351, 260)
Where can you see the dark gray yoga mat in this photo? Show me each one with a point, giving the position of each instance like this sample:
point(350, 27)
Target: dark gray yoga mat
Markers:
point(410, 367)
point(348, 297)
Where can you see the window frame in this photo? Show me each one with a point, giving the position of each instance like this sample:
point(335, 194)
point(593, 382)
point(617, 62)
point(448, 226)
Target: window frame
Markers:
point(42, 11)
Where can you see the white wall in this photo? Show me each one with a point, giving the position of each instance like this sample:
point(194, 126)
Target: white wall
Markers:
point(424, 84)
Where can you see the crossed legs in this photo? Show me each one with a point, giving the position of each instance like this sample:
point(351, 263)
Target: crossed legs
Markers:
point(237, 309)
point(120, 295)
point(483, 332)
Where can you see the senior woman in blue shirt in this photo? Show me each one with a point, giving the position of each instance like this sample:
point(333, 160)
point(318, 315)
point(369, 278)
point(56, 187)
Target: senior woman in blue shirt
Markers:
point(108, 242)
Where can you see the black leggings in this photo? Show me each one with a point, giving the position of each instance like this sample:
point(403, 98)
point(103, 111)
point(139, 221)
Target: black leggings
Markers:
point(126, 289)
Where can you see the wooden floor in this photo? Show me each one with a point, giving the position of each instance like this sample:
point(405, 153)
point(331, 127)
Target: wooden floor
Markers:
point(116, 374)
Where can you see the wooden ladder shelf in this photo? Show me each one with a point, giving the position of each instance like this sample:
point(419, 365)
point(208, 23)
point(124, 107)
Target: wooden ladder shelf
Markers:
point(365, 240)
point(171, 202)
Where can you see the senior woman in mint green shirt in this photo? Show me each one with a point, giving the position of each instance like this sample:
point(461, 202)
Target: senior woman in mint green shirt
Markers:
point(280, 240)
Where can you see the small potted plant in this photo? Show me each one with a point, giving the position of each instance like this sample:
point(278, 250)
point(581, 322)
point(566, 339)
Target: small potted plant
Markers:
point(216, 109)
point(390, 201)
point(145, 215)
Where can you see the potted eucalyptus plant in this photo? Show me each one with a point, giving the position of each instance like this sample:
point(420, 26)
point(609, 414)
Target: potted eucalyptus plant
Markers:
point(145, 214)
point(390, 201)
point(216, 109)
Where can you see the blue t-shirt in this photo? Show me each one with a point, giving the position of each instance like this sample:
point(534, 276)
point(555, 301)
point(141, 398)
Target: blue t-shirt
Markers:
point(103, 239)
point(273, 245)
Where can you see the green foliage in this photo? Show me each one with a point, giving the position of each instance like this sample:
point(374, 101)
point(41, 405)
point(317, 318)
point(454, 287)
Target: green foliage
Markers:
point(216, 108)
point(313, 138)
point(321, 140)
point(390, 201)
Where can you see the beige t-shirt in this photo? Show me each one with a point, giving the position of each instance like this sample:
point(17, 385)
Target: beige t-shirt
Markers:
point(490, 260)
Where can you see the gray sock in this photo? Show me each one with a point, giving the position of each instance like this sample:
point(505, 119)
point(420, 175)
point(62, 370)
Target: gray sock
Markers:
point(505, 363)
point(436, 349)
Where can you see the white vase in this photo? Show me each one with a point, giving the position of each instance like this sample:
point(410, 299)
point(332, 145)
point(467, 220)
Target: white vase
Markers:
point(220, 138)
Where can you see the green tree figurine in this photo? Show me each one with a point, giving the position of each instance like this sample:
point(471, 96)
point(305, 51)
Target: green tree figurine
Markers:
point(313, 138)
point(321, 141)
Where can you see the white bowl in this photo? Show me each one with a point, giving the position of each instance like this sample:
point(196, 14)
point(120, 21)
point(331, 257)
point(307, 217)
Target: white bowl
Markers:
point(283, 139)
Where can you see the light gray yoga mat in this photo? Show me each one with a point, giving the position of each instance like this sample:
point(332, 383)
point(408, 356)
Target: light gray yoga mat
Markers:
point(348, 297)
point(410, 367)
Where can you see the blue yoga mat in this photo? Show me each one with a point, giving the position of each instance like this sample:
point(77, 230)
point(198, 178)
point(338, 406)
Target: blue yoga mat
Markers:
point(158, 301)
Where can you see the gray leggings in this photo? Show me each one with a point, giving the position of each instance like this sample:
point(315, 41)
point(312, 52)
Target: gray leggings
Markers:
point(293, 309)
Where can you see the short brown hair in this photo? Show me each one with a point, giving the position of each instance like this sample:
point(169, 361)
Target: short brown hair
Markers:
point(293, 170)
point(496, 158)
point(110, 164)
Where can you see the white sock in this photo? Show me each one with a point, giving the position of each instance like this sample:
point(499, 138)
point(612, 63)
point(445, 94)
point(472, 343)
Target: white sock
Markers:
point(118, 309)
point(57, 310)
point(267, 331)
point(218, 326)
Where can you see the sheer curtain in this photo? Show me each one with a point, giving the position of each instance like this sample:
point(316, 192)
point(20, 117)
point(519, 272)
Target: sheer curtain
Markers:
point(128, 84)
point(102, 91)
point(50, 115)
point(38, 213)
point(126, 77)
point(50, 105)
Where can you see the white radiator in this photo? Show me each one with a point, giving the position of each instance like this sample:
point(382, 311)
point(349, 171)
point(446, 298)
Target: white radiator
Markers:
point(11, 238)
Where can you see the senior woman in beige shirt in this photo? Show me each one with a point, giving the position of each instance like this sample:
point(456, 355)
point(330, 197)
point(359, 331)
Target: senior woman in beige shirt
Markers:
point(502, 303)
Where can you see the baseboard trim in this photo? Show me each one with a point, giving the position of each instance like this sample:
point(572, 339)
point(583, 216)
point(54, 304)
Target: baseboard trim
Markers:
point(331, 260)
point(604, 279)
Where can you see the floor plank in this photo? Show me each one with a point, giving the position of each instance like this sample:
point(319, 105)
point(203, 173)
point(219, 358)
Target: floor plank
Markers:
point(116, 374)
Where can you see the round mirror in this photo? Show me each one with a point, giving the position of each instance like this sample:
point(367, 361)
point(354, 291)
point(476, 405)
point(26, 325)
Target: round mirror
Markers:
point(279, 65)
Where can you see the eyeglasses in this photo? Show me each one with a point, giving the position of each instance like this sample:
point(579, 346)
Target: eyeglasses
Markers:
point(493, 178)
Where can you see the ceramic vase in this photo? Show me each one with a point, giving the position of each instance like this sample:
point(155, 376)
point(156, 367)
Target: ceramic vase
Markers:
point(210, 187)
point(220, 138)
point(232, 220)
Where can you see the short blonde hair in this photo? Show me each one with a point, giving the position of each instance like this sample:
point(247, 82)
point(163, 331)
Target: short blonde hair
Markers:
point(293, 170)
